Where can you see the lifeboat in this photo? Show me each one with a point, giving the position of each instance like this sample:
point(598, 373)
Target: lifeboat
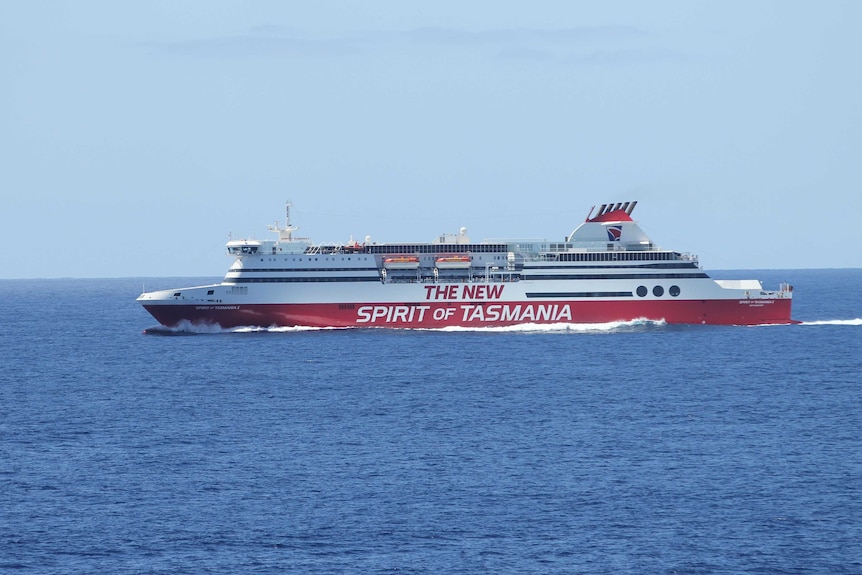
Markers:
point(453, 262)
point(401, 263)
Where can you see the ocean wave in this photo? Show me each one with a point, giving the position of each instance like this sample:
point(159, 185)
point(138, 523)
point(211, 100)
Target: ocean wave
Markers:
point(611, 326)
point(188, 328)
point(857, 321)
point(274, 329)
point(184, 328)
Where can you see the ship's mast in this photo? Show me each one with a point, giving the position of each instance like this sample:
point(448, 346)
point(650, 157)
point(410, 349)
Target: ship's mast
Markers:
point(285, 233)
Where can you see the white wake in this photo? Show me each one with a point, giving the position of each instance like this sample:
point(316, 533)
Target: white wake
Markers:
point(187, 328)
point(560, 327)
point(857, 321)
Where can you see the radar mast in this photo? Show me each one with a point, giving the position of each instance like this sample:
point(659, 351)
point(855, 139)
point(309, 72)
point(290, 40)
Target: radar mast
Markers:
point(285, 233)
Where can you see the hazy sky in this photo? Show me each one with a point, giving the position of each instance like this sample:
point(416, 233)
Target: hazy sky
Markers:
point(135, 136)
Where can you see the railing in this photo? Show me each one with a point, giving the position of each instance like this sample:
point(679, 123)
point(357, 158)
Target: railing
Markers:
point(633, 257)
point(501, 276)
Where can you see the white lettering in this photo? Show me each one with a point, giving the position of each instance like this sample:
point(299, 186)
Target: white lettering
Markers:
point(511, 313)
point(470, 313)
point(544, 312)
point(422, 309)
point(400, 312)
point(364, 314)
point(379, 311)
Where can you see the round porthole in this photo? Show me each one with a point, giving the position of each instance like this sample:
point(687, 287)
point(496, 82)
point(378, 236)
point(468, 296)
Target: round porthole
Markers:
point(658, 291)
point(674, 291)
point(642, 291)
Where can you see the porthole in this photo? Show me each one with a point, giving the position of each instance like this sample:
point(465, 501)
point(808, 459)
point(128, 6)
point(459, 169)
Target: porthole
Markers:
point(642, 291)
point(658, 291)
point(674, 291)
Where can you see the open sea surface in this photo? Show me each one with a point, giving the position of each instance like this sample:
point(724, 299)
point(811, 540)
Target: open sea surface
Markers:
point(625, 448)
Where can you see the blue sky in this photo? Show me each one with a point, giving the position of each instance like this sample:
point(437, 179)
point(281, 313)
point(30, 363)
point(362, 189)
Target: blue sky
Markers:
point(134, 137)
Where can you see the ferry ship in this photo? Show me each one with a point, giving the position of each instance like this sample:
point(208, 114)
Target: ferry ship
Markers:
point(606, 270)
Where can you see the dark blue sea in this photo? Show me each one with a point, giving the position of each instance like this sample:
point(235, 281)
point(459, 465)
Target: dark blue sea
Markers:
point(633, 448)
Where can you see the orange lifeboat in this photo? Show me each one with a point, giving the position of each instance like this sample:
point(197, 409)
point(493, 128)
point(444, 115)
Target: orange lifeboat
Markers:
point(401, 262)
point(453, 262)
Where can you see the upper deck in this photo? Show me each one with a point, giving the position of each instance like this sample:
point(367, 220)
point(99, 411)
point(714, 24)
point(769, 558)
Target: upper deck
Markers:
point(610, 235)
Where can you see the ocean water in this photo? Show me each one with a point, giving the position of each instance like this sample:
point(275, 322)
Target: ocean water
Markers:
point(628, 448)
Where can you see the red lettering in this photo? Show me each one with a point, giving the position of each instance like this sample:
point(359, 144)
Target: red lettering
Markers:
point(495, 292)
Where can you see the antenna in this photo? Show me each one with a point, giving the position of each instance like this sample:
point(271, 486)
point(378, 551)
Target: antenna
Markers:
point(285, 233)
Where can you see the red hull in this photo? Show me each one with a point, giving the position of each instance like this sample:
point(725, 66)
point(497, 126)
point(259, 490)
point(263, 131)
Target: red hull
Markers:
point(464, 314)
